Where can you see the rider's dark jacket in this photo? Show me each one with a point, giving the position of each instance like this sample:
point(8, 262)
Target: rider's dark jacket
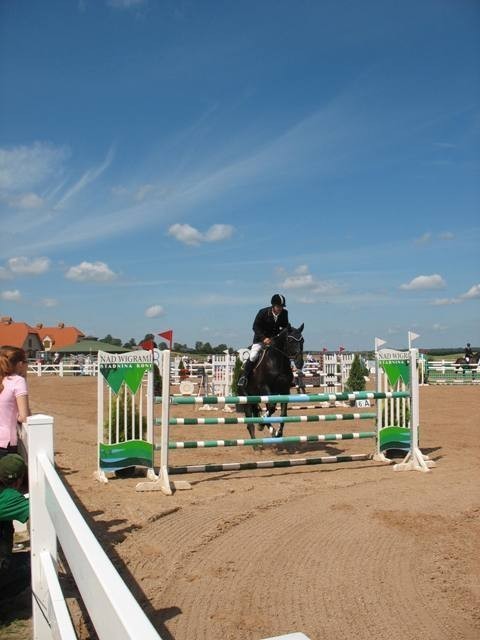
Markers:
point(468, 352)
point(266, 325)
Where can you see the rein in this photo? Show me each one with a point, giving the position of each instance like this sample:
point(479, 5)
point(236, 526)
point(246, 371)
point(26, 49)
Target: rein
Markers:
point(287, 355)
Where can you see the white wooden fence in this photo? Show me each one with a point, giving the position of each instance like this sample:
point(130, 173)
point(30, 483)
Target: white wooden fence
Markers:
point(54, 519)
point(62, 369)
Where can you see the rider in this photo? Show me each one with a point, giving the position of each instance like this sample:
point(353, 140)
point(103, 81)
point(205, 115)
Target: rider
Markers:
point(267, 324)
point(468, 352)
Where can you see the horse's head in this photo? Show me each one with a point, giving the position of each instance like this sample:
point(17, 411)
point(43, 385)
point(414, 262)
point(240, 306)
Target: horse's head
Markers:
point(295, 345)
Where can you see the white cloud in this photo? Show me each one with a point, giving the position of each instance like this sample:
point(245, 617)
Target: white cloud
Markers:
point(27, 201)
point(89, 176)
point(446, 235)
point(12, 296)
point(439, 327)
point(473, 292)
point(219, 232)
point(442, 302)
point(424, 239)
point(143, 191)
point(91, 272)
point(125, 4)
point(302, 268)
point(428, 237)
point(24, 266)
point(24, 167)
point(48, 302)
point(154, 311)
point(423, 283)
point(189, 235)
point(304, 281)
point(185, 233)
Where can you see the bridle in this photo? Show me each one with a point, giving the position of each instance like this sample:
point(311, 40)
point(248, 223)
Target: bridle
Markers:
point(287, 354)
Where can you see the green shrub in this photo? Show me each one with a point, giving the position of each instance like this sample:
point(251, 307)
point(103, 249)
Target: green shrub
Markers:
point(356, 379)
point(237, 372)
point(157, 381)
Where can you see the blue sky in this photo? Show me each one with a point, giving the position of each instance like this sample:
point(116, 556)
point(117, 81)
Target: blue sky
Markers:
point(172, 164)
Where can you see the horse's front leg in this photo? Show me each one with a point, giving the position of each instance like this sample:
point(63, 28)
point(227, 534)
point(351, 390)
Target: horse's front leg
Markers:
point(283, 413)
point(250, 413)
point(270, 410)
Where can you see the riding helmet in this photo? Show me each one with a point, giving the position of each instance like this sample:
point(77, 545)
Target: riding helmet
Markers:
point(278, 299)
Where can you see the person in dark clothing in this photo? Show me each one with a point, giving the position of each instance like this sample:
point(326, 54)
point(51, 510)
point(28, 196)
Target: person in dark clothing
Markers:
point(14, 567)
point(267, 324)
point(468, 352)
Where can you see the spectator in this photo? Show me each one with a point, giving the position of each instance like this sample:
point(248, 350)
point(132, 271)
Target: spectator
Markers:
point(14, 407)
point(14, 567)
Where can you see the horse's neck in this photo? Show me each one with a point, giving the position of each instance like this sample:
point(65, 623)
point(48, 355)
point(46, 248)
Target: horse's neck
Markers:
point(279, 357)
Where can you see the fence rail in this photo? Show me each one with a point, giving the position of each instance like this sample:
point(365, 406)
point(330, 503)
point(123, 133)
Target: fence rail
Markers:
point(54, 519)
point(113, 610)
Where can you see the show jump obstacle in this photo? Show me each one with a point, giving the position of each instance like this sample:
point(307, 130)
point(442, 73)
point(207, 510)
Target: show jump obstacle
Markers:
point(126, 418)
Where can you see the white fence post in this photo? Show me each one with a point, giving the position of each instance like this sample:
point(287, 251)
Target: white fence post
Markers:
point(42, 532)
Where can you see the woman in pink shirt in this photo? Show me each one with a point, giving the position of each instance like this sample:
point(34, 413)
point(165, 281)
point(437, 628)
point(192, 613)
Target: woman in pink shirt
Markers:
point(14, 406)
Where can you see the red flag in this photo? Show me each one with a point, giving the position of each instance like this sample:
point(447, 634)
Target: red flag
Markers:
point(168, 335)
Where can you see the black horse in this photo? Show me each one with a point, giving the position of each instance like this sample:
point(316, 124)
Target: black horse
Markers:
point(273, 375)
point(467, 365)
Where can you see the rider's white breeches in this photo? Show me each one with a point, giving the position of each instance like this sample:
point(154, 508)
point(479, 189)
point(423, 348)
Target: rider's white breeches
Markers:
point(255, 350)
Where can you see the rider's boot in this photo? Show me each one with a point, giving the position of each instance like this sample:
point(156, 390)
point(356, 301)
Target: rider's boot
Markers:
point(247, 369)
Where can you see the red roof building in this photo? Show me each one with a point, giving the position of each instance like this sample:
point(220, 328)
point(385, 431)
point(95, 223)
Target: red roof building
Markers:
point(60, 336)
point(38, 338)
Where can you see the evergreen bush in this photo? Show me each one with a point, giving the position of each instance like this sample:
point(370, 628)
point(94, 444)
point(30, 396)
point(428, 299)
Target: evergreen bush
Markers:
point(356, 379)
point(237, 372)
point(157, 381)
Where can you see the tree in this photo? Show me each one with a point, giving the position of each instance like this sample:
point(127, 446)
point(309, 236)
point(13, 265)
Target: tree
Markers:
point(157, 381)
point(180, 348)
point(111, 340)
point(130, 344)
point(356, 379)
point(237, 370)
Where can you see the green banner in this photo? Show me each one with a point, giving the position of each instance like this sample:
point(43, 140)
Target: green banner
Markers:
point(116, 374)
point(133, 453)
point(394, 438)
point(396, 370)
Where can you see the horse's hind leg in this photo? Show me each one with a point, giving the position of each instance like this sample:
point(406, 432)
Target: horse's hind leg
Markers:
point(253, 412)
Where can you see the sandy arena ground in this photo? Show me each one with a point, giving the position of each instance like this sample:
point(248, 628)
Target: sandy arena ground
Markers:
point(341, 551)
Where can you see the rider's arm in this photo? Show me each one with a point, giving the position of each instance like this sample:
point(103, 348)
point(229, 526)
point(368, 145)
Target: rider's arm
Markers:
point(258, 325)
